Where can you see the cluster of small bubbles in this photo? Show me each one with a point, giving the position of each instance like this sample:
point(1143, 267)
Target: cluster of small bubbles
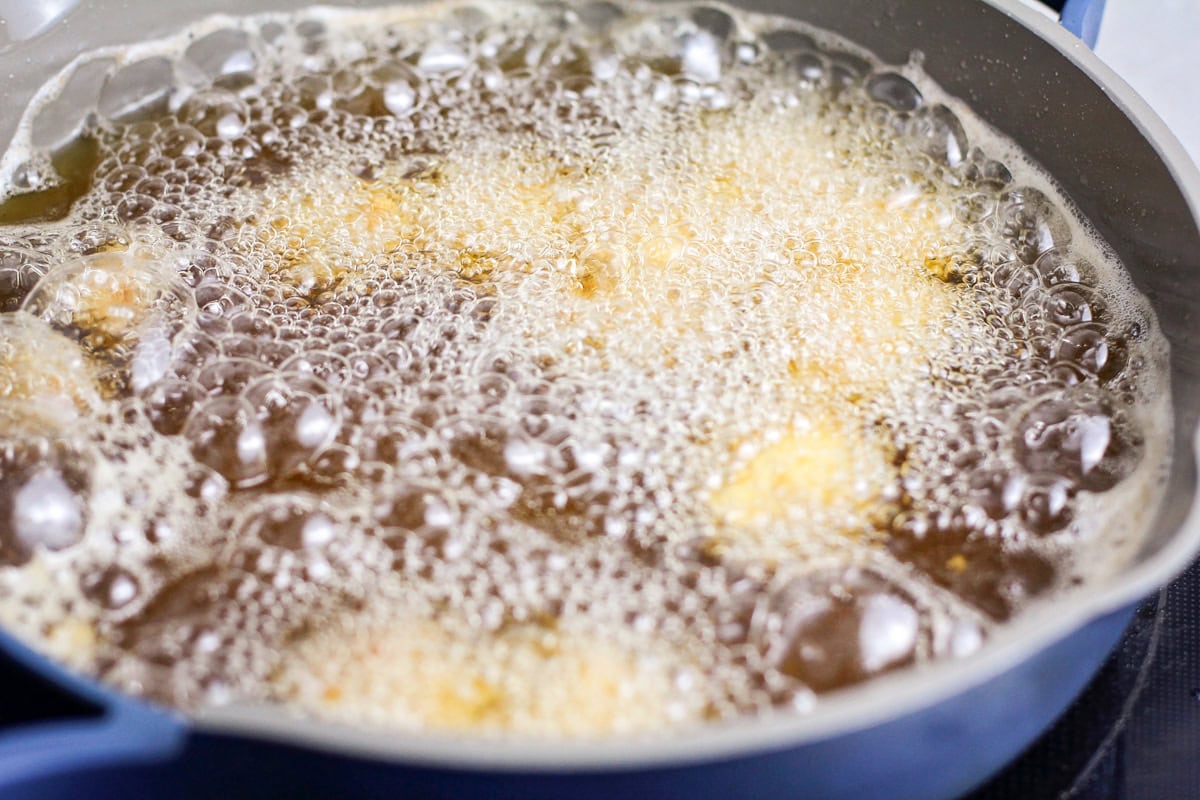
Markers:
point(1047, 419)
point(567, 348)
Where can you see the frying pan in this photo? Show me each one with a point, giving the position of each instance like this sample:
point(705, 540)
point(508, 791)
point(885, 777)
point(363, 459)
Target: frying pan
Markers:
point(929, 733)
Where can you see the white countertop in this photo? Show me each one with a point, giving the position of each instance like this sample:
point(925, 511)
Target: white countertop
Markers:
point(1155, 46)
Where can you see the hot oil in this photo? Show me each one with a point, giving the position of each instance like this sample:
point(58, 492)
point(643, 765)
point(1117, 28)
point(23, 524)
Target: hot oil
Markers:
point(551, 371)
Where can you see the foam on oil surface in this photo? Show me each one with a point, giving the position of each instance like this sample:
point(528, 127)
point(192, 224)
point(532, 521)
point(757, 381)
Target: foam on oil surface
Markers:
point(552, 370)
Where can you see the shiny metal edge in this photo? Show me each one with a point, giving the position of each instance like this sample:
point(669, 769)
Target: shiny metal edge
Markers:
point(884, 698)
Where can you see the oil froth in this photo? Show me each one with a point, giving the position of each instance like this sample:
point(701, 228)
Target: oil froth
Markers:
point(459, 366)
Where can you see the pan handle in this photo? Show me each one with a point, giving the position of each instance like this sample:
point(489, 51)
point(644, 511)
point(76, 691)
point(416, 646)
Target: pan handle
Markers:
point(1080, 17)
point(87, 726)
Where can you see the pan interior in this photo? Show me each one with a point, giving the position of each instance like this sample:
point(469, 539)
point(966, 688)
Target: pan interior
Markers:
point(865, 585)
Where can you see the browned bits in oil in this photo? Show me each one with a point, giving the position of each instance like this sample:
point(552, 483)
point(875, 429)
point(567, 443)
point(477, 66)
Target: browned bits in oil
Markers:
point(546, 370)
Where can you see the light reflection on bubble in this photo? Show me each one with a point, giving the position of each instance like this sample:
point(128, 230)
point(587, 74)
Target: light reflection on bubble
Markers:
point(591, 333)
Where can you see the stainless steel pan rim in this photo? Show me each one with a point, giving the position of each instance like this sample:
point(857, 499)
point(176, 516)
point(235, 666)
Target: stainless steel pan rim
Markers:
point(885, 698)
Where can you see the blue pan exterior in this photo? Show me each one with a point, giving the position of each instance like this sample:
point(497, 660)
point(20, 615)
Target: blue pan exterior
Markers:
point(92, 727)
point(1082, 18)
point(935, 753)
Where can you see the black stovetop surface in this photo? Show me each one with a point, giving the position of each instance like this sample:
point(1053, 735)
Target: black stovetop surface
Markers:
point(1134, 733)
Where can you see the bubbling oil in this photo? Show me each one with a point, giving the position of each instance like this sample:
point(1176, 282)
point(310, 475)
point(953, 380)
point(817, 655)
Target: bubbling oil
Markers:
point(543, 369)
